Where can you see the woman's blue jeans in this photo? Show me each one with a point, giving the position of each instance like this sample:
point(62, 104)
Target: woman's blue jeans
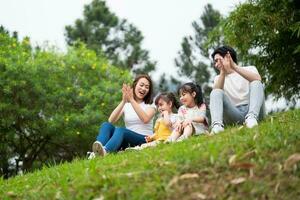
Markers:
point(116, 138)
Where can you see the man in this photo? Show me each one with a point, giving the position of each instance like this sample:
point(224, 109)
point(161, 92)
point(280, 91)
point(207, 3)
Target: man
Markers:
point(238, 94)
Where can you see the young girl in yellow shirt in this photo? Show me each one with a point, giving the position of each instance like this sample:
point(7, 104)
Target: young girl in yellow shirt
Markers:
point(164, 125)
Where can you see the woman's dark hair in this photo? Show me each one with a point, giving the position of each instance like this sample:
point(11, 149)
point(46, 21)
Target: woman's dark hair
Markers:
point(190, 88)
point(223, 51)
point(167, 97)
point(148, 98)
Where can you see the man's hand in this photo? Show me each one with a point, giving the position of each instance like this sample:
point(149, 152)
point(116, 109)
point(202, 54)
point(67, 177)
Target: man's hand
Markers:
point(230, 62)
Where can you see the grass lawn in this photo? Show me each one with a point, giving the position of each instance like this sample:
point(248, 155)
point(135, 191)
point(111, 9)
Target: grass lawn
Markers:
point(240, 163)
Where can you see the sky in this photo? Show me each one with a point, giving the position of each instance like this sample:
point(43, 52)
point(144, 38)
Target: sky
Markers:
point(163, 23)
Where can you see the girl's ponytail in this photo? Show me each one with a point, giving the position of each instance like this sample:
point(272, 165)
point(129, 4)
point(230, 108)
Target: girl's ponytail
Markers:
point(199, 95)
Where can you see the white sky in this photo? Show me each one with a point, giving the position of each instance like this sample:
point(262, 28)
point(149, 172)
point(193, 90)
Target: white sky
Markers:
point(163, 23)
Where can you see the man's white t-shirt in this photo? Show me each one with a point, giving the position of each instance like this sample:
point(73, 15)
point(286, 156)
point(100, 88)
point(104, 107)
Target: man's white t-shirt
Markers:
point(236, 87)
point(134, 123)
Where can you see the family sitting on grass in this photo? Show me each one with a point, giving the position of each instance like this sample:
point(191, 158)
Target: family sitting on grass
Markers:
point(237, 97)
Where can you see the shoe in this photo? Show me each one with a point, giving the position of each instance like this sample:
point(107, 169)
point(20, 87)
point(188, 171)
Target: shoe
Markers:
point(217, 128)
point(250, 121)
point(98, 149)
point(91, 155)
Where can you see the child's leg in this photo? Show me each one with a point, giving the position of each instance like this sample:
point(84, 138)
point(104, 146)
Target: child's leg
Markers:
point(174, 136)
point(149, 144)
point(187, 132)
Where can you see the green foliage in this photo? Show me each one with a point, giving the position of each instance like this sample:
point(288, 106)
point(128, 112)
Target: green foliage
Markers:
point(235, 164)
point(267, 34)
point(115, 38)
point(51, 104)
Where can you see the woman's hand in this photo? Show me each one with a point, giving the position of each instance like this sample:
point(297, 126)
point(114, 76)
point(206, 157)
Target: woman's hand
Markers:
point(124, 93)
point(130, 94)
point(127, 93)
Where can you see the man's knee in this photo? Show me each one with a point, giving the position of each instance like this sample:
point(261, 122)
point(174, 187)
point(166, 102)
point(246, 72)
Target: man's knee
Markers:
point(256, 83)
point(216, 93)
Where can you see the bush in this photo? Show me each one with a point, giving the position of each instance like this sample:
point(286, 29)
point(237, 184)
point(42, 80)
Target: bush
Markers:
point(51, 104)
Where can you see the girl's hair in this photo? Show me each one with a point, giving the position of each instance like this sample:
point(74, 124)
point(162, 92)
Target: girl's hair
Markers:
point(190, 88)
point(148, 98)
point(167, 97)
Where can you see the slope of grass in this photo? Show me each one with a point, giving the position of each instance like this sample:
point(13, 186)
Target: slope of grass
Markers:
point(236, 164)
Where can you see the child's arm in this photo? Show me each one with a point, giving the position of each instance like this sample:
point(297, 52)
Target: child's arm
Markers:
point(150, 138)
point(166, 118)
point(199, 118)
point(201, 115)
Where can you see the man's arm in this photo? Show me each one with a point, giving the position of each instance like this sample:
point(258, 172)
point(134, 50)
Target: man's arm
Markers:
point(219, 84)
point(247, 74)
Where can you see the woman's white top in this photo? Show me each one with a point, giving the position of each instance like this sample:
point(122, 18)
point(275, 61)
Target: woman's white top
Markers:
point(134, 123)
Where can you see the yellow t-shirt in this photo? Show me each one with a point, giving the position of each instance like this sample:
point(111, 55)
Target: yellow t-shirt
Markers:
point(161, 130)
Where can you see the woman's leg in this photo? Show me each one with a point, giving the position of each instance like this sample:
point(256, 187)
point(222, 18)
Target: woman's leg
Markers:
point(106, 131)
point(124, 137)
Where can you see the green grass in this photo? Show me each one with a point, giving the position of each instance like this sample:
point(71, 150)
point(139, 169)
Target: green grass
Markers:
point(198, 168)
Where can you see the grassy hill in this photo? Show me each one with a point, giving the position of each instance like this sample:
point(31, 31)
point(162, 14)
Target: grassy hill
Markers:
point(261, 163)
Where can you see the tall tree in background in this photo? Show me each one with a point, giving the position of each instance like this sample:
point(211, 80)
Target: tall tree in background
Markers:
point(190, 60)
point(117, 39)
point(267, 34)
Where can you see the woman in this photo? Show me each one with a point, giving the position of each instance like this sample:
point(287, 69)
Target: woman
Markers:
point(138, 111)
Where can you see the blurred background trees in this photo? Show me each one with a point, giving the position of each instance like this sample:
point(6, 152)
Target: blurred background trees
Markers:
point(51, 104)
point(193, 59)
point(266, 33)
point(117, 39)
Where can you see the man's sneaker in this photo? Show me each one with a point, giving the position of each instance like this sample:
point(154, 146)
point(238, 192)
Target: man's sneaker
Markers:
point(250, 121)
point(217, 128)
point(98, 149)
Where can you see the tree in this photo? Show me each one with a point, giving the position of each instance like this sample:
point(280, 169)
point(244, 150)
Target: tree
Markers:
point(191, 58)
point(51, 104)
point(120, 41)
point(267, 34)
